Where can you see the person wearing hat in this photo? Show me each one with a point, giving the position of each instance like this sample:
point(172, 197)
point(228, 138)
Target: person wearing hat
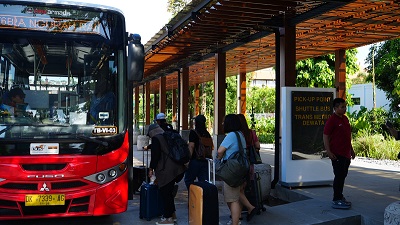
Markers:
point(14, 101)
point(162, 122)
point(167, 172)
point(198, 167)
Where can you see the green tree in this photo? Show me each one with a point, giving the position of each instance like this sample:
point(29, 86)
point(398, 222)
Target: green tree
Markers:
point(320, 71)
point(386, 60)
point(261, 100)
point(174, 6)
point(231, 94)
point(361, 78)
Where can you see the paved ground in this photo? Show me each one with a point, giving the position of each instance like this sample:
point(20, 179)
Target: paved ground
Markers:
point(370, 187)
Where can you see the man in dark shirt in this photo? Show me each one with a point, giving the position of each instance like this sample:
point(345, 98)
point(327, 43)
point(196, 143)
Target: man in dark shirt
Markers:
point(337, 142)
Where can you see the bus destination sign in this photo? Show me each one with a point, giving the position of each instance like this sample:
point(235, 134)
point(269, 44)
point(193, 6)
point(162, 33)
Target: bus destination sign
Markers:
point(50, 19)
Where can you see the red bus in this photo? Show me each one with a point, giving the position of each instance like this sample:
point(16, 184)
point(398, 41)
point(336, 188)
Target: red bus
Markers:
point(66, 77)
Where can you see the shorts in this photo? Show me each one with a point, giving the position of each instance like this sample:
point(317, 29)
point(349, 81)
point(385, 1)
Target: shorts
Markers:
point(231, 194)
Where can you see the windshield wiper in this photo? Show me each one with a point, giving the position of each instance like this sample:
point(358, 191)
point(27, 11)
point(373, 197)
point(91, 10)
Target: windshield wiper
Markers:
point(82, 137)
point(9, 126)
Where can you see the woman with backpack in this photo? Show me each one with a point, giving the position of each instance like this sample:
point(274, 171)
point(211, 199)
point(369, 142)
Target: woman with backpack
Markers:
point(200, 149)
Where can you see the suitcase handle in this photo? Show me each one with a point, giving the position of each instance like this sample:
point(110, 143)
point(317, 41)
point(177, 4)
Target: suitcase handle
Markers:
point(211, 164)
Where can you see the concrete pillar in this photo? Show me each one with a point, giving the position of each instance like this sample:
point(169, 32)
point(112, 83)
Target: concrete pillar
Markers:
point(288, 55)
point(340, 73)
point(184, 112)
point(241, 92)
point(174, 107)
point(162, 95)
point(137, 95)
point(196, 99)
point(147, 99)
point(219, 98)
point(155, 105)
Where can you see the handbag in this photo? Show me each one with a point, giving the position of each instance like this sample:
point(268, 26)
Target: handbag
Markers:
point(254, 156)
point(234, 170)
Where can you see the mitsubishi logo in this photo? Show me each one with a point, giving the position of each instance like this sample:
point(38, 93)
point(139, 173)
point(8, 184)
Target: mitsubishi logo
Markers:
point(44, 188)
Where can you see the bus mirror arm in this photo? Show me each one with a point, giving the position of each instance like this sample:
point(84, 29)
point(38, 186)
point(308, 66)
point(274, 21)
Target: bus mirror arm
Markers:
point(135, 58)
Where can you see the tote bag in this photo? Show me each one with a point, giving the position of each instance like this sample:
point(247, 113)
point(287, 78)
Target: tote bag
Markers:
point(234, 170)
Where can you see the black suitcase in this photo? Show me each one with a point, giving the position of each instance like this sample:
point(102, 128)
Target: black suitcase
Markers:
point(203, 201)
point(253, 191)
point(151, 204)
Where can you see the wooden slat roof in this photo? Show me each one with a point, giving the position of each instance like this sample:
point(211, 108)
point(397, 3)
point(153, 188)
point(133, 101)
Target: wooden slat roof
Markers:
point(244, 29)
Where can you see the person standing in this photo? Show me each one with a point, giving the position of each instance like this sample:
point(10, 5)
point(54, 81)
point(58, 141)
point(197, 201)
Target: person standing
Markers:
point(167, 172)
point(337, 142)
point(198, 167)
point(234, 196)
point(249, 134)
point(162, 122)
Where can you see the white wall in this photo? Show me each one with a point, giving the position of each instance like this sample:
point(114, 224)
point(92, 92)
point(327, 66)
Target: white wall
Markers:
point(365, 93)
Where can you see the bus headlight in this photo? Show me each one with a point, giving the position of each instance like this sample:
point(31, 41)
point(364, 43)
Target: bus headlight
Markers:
point(112, 173)
point(100, 177)
point(109, 174)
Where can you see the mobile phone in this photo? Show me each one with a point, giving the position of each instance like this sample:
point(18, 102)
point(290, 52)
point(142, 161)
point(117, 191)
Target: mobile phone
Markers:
point(389, 124)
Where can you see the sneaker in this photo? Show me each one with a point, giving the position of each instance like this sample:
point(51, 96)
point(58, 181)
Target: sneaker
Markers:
point(340, 204)
point(174, 217)
point(230, 222)
point(252, 214)
point(165, 221)
point(346, 202)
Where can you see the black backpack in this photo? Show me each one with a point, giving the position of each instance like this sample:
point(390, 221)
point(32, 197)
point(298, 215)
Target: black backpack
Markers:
point(205, 147)
point(177, 146)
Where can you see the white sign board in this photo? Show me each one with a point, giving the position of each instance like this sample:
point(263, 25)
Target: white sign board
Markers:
point(301, 169)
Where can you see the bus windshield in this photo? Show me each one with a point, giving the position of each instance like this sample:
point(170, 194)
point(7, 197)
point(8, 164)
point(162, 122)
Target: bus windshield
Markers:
point(61, 73)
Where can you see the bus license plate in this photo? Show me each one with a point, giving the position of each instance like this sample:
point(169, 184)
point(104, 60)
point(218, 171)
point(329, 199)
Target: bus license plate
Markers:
point(42, 200)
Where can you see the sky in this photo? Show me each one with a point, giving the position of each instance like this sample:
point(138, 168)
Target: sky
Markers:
point(147, 17)
point(362, 55)
point(144, 17)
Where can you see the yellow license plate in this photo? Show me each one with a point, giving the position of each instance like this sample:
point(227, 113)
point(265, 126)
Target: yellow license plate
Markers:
point(47, 199)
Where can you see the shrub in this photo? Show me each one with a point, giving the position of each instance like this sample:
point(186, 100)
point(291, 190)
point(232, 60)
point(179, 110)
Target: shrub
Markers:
point(375, 146)
point(265, 128)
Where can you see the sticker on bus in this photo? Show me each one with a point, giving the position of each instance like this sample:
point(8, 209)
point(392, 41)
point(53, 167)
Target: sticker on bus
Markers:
point(104, 130)
point(44, 148)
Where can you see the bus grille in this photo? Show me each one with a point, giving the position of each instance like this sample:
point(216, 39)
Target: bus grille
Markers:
point(34, 186)
point(20, 186)
point(67, 185)
point(43, 167)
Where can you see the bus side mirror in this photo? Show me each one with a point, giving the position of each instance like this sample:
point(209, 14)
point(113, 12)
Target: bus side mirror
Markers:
point(135, 58)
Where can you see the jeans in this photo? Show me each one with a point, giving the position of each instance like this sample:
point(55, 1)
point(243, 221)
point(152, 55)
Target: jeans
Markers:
point(340, 170)
point(197, 169)
point(166, 193)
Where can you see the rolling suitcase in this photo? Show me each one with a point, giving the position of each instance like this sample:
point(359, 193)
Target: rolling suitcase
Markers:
point(203, 201)
point(151, 204)
point(253, 190)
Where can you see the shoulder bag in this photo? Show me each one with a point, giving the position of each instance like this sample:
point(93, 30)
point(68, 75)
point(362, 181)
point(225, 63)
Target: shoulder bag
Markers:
point(234, 170)
point(254, 155)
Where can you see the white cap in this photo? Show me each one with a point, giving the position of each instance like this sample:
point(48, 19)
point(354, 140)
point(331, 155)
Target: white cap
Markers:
point(160, 116)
